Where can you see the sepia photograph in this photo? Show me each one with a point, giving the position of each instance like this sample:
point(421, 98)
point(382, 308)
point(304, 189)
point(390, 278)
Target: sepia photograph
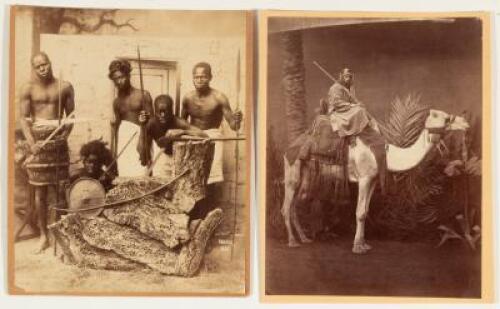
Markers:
point(374, 165)
point(129, 151)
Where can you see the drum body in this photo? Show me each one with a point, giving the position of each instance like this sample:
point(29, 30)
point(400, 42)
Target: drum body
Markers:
point(85, 193)
point(51, 164)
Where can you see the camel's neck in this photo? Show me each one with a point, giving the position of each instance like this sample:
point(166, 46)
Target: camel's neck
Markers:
point(403, 159)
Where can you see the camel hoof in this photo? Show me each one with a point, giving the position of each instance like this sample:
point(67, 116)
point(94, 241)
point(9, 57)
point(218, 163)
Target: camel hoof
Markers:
point(306, 240)
point(366, 246)
point(359, 249)
point(293, 244)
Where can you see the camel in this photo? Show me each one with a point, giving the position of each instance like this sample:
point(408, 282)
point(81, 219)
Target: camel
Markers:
point(363, 169)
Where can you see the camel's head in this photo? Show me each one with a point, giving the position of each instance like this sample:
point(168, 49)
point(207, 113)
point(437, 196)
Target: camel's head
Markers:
point(439, 121)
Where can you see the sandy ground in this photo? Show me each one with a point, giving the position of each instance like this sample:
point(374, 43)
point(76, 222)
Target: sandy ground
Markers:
point(45, 273)
point(391, 269)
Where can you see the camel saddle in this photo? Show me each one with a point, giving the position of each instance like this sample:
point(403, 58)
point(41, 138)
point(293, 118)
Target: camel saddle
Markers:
point(319, 143)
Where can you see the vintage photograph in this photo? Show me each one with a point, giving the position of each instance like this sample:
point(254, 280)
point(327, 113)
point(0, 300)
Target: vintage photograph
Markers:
point(129, 151)
point(374, 157)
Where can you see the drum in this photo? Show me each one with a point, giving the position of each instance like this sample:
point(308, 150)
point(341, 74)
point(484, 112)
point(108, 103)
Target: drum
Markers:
point(86, 193)
point(51, 164)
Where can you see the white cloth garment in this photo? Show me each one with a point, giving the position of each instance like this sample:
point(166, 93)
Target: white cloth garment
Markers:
point(129, 162)
point(216, 173)
point(164, 165)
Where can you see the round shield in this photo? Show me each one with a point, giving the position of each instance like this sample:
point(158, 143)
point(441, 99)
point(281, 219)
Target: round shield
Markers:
point(86, 193)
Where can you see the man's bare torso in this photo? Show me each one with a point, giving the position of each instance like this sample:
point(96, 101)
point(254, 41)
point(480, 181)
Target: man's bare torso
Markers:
point(129, 106)
point(44, 99)
point(205, 111)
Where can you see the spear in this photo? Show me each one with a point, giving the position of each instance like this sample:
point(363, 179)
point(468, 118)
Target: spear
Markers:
point(58, 186)
point(59, 128)
point(145, 151)
point(188, 138)
point(107, 168)
point(236, 153)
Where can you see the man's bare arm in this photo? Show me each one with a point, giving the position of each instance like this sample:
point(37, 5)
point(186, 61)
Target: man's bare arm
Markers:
point(115, 124)
point(144, 144)
point(26, 119)
point(189, 129)
point(233, 119)
point(69, 107)
point(148, 105)
point(184, 113)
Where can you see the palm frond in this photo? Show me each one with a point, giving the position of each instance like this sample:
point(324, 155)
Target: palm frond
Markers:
point(405, 121)
point(411, 206)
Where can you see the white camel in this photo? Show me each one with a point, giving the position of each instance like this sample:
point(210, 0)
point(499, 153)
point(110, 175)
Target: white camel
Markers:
point(362, 168)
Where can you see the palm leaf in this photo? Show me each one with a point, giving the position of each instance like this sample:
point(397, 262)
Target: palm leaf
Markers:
point(411, 204)
point(405, 122)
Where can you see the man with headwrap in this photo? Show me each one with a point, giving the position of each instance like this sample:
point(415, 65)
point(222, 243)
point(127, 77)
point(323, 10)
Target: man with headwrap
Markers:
point(350, 118)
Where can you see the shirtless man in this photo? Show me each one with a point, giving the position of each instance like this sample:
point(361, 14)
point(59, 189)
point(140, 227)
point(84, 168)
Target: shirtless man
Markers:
point(128, 105)
point(44, 100)
point(165, 125)
point(205, 107)
point(96, 158)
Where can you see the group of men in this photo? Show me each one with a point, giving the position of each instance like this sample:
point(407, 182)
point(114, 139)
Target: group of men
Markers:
point(202, 112)
point(45, 102)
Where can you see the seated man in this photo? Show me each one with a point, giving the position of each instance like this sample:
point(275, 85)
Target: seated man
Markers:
point(348, 115)
point(96, 157)
point(350, 118)
point(163, 127)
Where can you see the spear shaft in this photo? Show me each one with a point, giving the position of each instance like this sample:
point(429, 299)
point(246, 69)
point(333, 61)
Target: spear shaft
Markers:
point(145, 151)
point(236, 154)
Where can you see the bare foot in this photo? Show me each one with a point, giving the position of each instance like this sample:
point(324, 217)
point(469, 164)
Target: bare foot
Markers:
point(43, 244)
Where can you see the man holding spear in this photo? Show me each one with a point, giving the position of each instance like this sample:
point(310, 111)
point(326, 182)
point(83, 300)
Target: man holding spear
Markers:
point(44, 100)
point(131, 109)
point(205, 107)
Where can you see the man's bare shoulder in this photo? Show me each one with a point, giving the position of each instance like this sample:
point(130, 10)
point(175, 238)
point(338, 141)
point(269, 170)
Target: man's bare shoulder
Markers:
point(190, 96)
point(219, 96)
point(66, 85)
point(26, 87)
point(116, 102)
point(136, 93)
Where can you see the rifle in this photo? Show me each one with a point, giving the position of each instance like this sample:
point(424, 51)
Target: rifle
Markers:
point(336, 81)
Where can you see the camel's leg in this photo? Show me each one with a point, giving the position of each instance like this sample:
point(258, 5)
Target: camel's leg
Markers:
point(295, 220)
point(290, 188)
point(364, 244)
point(361, 213)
